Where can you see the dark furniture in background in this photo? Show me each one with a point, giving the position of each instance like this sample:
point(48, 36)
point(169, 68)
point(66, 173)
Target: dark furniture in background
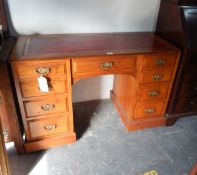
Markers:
point(8, 116)
point(177, 23)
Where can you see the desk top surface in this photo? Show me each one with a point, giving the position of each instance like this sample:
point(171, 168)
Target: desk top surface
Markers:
point(77, 45)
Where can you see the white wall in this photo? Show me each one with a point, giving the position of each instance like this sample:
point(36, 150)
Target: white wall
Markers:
point(84, 16)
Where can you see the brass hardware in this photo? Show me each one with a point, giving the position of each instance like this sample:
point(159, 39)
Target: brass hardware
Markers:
point(50, 127)
point(43, 70)
point(106, 65)
point(160, 62)
point(153, 93)
point(149, 110)
point(157, 77)
point(47, 107)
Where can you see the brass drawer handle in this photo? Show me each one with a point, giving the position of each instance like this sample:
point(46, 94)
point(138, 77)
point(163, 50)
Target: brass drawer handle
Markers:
point(43, 70)
point(50, 127)
point(160, 62)
point(157, 77)
point(106, 65)
point(149, 110)
point(153, 93)
point(47, 107)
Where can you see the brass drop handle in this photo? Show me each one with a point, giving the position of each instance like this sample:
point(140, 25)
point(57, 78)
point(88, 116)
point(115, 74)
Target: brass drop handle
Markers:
point(153, 93)
point(160, 62)
point(106, 65)
point(50, 127)
point(157, 77)
point(149, 110)
point(47, 107)
point(43, 70)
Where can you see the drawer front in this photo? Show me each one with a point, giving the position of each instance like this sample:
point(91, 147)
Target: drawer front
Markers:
point(46, 106)
point(36, 69)
point(103, 64)
point(153, 91)
point(156, 76)
point(47, 127)
point(149, 109)
point(156, 61)
point(31, 89)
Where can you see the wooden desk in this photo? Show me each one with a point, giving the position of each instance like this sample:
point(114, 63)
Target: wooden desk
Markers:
point(144, 68)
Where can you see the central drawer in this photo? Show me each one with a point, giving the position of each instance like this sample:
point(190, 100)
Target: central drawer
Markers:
point(46, 106)
point(104, 65)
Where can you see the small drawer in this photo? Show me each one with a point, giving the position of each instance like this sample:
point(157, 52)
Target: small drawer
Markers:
point(156, 61)
point(47, 126)
point(153, 91)
point(149, 109)
point(29, 70)
point(46, 106)
point(105, 64)
point(31, 89)
point(156, 75)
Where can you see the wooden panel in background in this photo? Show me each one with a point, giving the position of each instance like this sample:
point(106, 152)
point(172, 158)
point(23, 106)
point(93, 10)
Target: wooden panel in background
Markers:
point(3, 20)
point(4, 170)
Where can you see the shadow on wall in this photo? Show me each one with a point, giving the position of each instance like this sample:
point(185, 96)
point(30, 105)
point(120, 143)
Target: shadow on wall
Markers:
point(93, 88)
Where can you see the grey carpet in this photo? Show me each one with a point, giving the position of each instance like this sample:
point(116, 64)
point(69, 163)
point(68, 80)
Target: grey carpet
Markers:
point(105, 147)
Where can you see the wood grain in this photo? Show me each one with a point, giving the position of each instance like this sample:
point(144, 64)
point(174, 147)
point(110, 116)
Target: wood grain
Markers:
point(4, 168)
point(40, 47)
point(91, 66)
point(36, 108)
point(48, 126)
point(26, 70)
point(158, 61)
point(9, 116)
point(158, 90)
point(132, 57)
point(29, 88)
point(164, 75)
point(156, 106)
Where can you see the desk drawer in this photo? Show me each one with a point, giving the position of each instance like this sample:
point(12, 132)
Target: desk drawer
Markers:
point(153, 91)
point(105, 64)
point(31, 89)
point(46, 106)
point(149, 109)
point(156, 75)
point(157, 61)
point(33, 69)
point(48, 126)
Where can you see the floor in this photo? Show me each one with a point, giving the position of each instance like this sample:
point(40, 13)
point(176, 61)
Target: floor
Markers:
point(105, 147)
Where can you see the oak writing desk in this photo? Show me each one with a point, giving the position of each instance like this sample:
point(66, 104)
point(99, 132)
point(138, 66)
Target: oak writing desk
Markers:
point(144, 68)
